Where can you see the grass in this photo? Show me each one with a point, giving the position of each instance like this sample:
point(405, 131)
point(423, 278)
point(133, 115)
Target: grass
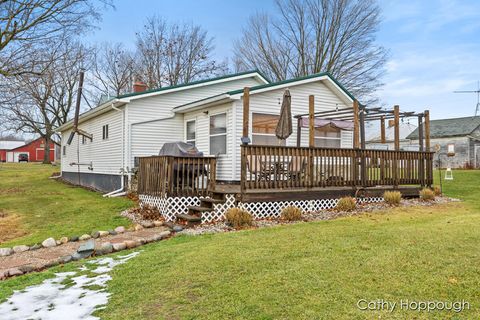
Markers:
point(309, 270)
point(35, 207)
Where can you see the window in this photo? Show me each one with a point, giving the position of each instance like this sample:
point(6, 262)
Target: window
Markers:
point(218, 134)
point(84, 140)
point(64, 152)
point(263, 129)
point(190, 134)
point(105, 132)
point(327, 137)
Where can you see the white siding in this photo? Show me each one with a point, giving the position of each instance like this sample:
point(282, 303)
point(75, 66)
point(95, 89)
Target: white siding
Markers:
point(270, 102)
point(225, 163)
point(105, 155)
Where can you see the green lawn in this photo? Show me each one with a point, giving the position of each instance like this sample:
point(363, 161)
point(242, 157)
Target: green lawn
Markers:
point(308, 270)
point(37, 207)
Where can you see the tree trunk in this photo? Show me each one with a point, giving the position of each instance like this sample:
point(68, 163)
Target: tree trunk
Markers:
point(46, 150)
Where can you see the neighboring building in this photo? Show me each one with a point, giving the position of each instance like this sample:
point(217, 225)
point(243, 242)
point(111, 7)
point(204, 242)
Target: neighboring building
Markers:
point(405, 128)
point(34, 151)
point(6, 145)
point(206, 113)
point(461, 134)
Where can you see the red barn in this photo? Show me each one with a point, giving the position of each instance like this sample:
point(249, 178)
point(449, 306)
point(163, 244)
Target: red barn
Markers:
point(34, 150)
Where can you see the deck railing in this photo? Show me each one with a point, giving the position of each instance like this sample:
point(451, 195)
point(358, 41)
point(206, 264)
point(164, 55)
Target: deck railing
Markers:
point(176, 176)
point(267, 167)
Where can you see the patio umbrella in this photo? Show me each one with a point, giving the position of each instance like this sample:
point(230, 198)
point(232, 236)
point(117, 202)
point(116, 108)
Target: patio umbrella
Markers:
point(284, 125)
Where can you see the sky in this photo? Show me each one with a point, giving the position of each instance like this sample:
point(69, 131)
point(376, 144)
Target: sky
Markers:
point(434, 46)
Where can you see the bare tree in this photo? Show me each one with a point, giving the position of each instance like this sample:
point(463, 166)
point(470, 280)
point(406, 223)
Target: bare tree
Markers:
point(112, 70)
point(311, 36)
point(24, 24)
point(174, 54)
point(38, 103)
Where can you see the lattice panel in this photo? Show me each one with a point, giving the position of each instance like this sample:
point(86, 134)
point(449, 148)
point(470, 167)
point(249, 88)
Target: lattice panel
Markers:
point(169, 207)
point(219, 209)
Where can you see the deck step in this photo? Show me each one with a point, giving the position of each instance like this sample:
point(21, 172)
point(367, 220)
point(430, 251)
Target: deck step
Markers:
point(209, 202)
point(199, 209)
point(189, 217)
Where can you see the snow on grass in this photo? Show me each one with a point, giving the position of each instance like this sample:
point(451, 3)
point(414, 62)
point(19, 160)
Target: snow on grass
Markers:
point(70, 295)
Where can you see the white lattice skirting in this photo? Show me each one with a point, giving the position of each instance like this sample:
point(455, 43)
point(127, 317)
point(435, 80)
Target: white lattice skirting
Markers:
point(170, 206)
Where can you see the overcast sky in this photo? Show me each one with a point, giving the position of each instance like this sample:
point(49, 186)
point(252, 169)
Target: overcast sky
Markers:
point(434, 45)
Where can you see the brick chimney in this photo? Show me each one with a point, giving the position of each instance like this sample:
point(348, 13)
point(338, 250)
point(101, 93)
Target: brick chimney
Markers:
point(139, 86)
point(391, 123)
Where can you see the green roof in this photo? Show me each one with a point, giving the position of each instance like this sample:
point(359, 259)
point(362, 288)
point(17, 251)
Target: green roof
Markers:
point(192, 83)
point(315, 75)
point(450, 127)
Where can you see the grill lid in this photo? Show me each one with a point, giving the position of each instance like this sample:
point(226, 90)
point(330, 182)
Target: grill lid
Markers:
point(179, 149)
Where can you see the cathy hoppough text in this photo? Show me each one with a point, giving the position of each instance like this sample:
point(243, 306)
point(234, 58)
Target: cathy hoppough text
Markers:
point(405, 304)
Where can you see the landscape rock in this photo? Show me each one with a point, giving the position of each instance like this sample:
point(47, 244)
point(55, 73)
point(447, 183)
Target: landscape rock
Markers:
point(138, 227)
point(15, 272)
point(49, 243)
point(58, 242)
point(27, 268)
point(120, 229)
point(74, 239)
point(5, 252)
point(177, 228)
point(66, 259)
point(63, 240)
point(157, 223)
point(95, 234)
point(21, 248)
point(119, 246)
point(52, 263)
point(103, 233)
point(131, 244)
point(148, 224)
point(142, 241)
point(105, 248)
point(36, 246)
point(112, 232)
point(3, 275)
point(165, 234)
point(87, 246)
point(84, 237)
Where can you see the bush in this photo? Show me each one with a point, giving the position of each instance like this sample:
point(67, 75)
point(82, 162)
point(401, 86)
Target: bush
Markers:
point(291, 213)
point(427, 194)
point(437, 191)
point(346, 204)
point(392, 198)
point(238, 218)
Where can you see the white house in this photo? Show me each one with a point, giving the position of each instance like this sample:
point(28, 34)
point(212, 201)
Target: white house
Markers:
point(206, 113)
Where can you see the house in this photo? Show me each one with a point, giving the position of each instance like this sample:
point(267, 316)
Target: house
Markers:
point(6, 145)
point(461, 135)
point(33, 149)
point(232, 121)
point(405, 128)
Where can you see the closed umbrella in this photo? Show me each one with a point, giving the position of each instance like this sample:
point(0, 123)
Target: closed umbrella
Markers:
point(284, 125)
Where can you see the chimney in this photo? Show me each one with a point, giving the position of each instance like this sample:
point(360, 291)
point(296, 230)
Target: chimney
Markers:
point(139, 86)
point(391, 123)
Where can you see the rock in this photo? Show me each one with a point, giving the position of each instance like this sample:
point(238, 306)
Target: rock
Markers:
point(27, 268)
point(158, 223)
point(164, 234)
point(148, 224)
point(87, 246)
point(103, 233)
point(21, 248)
point(15, 272)
point(49, 243)
point(95, 234)
point(131, 244)
point(52, 263)
point(84, 237)
point(36, 246)
point(3, 275)
point(138, 227)
point(112, 232)
point(177, 228)
point(142, 241)
point(119, 246)
point(65, 259)
point(5, 252)
point(120, 229)
point(74, 238)
point(105, 248)
point(63, 240)
point(58, 242)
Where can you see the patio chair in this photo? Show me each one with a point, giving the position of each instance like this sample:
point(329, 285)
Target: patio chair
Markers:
point(297, 167)
point(257, 167)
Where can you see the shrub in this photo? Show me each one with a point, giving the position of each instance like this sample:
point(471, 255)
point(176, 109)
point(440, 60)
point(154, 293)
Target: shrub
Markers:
point(427, 194)
point(392, 198)
point(238, 218)
point(346, 204)
point(437, 191)
point(291, 213)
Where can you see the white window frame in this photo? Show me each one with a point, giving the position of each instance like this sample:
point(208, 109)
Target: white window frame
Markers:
point(105, 131)
point(186, 131)
point(339, 139)
point(218, 134)
point(263, 134)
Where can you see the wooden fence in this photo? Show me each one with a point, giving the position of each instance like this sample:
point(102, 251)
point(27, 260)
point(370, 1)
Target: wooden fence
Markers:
point(267, 167)
point(176, 176)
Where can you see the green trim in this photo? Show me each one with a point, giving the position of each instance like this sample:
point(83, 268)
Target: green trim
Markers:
point(193, 83)
point(315, 75)
point(197, 101)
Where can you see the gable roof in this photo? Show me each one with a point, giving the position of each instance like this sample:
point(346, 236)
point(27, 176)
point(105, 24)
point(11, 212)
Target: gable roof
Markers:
point(10, 144)
point(453, 127)
point(231, 95)
point(29, 143)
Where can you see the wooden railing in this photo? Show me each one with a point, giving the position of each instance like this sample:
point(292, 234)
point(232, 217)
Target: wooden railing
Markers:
point(267, 167)
point(176, 176)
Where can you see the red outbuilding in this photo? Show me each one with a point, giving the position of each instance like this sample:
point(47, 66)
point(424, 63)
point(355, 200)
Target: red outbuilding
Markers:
point(33, 151)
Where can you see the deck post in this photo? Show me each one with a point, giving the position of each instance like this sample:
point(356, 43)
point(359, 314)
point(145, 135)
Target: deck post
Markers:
point(427, 130)
point(382, 140)
point(421, 163)
point(356, 125)
point(311, 137)
point(246, 114)
point(396, 130)
point(363, 163)
point(299, 131)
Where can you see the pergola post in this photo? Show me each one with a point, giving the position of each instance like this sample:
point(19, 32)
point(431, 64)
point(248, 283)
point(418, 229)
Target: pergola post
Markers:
point(363, 166)
point(421, 173)
point(427, 130)
point(311, 121)
point(356, 125)
point(382, 130)
point(299, 131)
point(396, 123)
point(246, 112)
